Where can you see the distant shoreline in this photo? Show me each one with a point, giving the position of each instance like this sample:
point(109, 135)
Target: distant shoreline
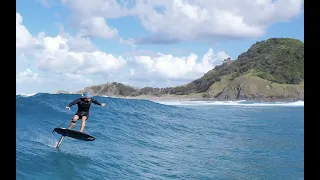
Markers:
point(186, 98)
point(181, 98)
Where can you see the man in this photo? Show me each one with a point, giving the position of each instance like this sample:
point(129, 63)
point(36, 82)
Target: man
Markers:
point(83, 109)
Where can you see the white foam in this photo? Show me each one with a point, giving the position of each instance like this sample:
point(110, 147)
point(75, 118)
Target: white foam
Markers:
point(51, 142)
point(228, 103)
point(26, 94)
point(38, 136)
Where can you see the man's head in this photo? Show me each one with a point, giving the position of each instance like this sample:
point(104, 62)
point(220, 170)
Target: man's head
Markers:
point(87, 96)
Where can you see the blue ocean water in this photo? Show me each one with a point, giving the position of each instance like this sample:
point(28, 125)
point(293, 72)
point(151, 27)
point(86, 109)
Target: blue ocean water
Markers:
point(140, 139)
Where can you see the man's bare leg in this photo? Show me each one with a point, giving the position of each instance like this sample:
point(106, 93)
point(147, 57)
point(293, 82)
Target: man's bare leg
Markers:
point(73, 122)
point(83, 123)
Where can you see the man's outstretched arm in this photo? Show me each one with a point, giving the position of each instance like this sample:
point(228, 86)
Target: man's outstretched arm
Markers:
point(97, 102)
point(73, 103)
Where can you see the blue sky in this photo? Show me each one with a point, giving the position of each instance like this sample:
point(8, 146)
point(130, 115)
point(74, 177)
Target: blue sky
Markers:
point(71, 44)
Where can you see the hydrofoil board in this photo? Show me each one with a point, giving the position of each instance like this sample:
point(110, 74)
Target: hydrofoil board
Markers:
point(73, 134)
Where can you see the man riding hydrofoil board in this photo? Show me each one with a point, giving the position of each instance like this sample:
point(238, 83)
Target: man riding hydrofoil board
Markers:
point(84, 104)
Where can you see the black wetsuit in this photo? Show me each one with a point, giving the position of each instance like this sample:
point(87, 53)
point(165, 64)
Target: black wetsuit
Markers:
point(83, 106)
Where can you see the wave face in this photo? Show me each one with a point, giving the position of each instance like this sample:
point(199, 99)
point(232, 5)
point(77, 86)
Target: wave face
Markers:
point(140, 139)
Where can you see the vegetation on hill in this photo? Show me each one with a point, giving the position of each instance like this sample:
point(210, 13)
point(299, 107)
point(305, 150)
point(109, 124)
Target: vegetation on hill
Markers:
point(279, 60)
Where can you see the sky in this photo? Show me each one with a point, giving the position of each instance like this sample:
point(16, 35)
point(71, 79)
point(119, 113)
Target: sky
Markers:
point(72, 44)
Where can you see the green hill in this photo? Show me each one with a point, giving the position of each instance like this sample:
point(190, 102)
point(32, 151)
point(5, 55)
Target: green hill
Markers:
point(278, 60)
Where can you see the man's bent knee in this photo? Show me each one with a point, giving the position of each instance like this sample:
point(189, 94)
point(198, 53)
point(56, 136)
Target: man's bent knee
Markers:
point(75, 118)
point(84, 118)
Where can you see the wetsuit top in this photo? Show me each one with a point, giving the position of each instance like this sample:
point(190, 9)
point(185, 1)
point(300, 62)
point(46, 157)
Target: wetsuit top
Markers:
point(83, 106)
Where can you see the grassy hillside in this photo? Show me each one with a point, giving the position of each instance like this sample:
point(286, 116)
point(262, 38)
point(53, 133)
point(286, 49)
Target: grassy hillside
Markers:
point(273, 68)
point(279, 60)
point(250, 86)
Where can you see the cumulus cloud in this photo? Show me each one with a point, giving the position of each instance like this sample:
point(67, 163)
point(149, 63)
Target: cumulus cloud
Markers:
point(28, 76)
point(87, 17)
point(171, 21)
point(23, 37)
point(188, 67)
point(64, 61)
point(73, 62)
point(95, 27)
point(64, 53)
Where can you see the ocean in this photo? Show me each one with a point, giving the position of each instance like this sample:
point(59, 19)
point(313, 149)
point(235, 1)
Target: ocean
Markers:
point(141, 139)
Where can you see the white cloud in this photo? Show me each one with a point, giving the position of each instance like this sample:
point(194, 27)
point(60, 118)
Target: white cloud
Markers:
point(28, 76)
point(64, 53)
point(178, 67)
point(132, 71)
point(87, 17)
point(64, 61)
point(175, 20)
point(23, 37)
point(73, 62)
point(95, 26)
point(129, 41)
point(76, 78)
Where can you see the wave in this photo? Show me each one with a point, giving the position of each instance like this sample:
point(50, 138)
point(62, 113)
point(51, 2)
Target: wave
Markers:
point(229, 103)
point(143, 139)
point(26, 94)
